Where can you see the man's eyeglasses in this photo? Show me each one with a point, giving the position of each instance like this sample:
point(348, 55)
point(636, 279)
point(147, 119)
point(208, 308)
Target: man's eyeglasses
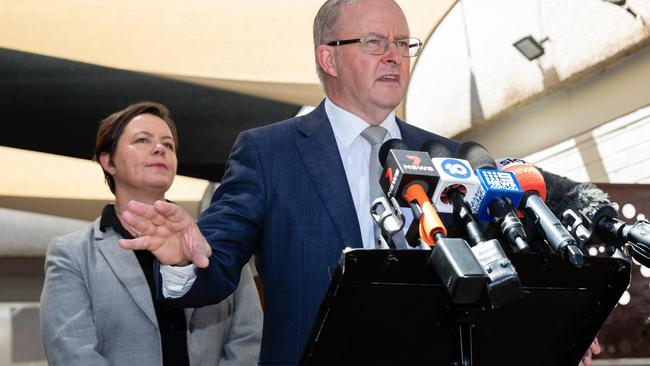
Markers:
point(378, 45)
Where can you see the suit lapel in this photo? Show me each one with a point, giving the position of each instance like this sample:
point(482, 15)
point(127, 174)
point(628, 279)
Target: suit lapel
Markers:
point(126, 268)
point(411, 139)
point(414, 137)
point(322, 161)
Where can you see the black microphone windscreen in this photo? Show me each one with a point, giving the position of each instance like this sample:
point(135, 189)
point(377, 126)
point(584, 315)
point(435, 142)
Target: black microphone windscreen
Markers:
point(476, 154)
point(436, 149)
point(391, 144)
point(563, 193)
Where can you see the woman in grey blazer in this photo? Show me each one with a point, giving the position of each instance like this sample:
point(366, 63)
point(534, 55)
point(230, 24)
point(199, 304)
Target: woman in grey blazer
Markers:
point(98, 303)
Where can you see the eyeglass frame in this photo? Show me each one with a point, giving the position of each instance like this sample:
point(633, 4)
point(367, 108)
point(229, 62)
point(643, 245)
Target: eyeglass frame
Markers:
point(343, 42)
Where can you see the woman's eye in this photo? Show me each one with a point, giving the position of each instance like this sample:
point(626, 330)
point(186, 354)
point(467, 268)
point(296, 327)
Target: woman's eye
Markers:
point(142, 140)
point(169, 145)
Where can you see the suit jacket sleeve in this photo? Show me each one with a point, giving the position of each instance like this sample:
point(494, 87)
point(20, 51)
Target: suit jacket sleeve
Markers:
point(68, 329)
point(232, 225)
point(242, 343)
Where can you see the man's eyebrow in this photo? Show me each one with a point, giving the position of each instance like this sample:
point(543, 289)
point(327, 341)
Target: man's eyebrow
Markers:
point(399, 36)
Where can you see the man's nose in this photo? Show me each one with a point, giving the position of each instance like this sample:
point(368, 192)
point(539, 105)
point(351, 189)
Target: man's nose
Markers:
point(393, 54)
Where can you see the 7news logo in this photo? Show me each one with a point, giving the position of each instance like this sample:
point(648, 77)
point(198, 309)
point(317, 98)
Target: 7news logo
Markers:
point(416, 164)
point(392, 180)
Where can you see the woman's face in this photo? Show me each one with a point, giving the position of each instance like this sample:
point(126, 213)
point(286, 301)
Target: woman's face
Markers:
point(145, 157)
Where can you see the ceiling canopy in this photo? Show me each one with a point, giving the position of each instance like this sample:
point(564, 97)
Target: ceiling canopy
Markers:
point(258, 47)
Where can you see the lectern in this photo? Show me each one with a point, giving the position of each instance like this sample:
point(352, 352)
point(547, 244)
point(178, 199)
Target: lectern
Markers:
point(387, 307)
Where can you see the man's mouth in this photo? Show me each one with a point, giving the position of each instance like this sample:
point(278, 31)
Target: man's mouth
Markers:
point(389, 77)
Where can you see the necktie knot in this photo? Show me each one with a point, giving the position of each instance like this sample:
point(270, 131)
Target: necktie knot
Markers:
point(374, 134)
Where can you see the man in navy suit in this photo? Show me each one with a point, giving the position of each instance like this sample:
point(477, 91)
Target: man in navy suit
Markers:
point(295, 193)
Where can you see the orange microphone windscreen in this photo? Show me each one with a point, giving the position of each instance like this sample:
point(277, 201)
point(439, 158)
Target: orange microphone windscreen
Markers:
point(529, 178)
point(430, 223)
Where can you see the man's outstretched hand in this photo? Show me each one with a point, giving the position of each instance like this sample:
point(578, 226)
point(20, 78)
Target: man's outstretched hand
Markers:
point(168, 232)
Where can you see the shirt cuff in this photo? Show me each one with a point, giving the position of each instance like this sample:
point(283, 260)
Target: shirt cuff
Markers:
point(177, 281)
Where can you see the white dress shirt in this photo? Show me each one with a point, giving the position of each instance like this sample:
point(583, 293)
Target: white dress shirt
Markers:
point(355, 155)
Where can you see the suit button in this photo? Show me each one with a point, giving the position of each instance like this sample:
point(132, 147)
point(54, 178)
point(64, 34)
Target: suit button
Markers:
point(191, 327)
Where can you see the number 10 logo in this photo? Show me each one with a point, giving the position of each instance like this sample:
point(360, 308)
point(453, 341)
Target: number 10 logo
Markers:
point(456, 168)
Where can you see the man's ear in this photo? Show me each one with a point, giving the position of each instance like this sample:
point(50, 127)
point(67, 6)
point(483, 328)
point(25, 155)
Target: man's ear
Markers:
point(105, 162)
point(326, 59)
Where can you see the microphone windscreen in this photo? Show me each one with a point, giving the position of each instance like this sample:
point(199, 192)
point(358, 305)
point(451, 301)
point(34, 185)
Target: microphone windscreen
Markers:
point(476, 154)
point(436, 149)
point(559, 193)
point(389, 145)
point(529, 178)
point(564, 193)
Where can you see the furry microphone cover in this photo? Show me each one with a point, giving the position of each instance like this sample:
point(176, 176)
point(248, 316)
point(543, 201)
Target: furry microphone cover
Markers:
point(563, 193)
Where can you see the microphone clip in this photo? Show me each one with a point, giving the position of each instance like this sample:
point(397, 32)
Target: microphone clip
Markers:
point(389, 218)
point(579, 225)
point(584, 230)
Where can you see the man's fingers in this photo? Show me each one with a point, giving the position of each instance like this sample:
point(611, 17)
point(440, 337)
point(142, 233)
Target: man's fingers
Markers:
point(176, 218)
point(172, 216)
point(169, 210)
point(142, 226)
point(595, 347)
point(201, 254)
point(140, 209)
point(200, 260)
point(196, 247)
point(140, 243)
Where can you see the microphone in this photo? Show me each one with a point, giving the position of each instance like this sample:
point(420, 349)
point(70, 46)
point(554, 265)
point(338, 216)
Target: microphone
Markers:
point(458, 185)
point(409, 177)
point(536, 211)
point(587, 211)
point(497, 194)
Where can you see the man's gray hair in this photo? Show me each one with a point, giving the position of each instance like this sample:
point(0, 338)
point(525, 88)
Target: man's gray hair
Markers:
point(324, 24)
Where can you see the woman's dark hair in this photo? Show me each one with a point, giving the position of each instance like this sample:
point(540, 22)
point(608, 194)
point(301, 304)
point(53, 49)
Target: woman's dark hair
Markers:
point(111, 129)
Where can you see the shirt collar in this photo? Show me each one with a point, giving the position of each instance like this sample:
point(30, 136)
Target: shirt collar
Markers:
point(109, 220)
point(347, 126)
